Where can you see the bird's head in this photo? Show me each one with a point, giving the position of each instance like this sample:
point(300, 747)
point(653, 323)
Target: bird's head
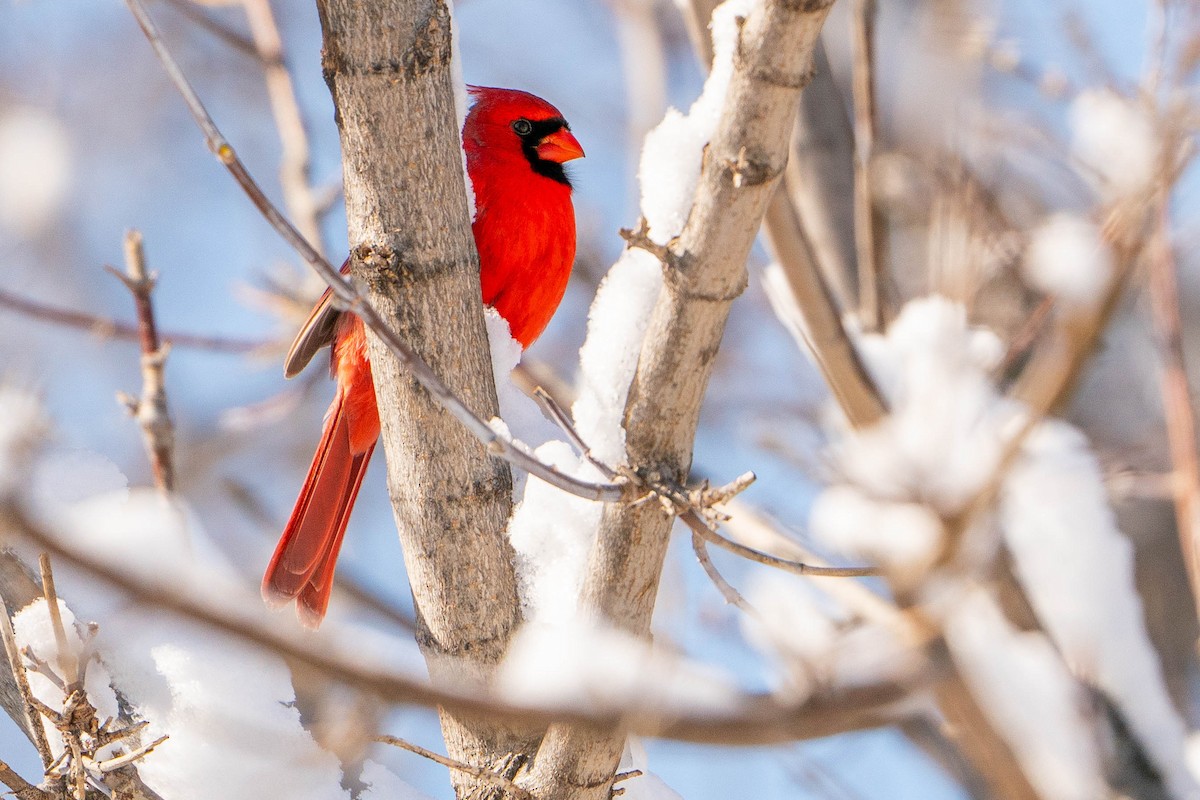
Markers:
point(508, 120)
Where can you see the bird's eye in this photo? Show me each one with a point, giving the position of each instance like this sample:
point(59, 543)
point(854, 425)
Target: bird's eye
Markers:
point(522, 127)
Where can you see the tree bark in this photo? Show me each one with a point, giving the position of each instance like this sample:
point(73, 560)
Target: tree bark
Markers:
point(704, 272)
point(388, 66)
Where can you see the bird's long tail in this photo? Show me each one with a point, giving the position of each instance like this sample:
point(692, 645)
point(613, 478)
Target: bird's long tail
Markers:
point(303, 564)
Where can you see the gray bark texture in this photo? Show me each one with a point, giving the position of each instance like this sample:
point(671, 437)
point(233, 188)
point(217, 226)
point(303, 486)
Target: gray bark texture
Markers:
point(388, 66)
point(705, 270)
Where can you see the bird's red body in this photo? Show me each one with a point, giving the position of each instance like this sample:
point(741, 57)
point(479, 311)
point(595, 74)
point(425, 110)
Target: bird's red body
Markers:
point(524, 230)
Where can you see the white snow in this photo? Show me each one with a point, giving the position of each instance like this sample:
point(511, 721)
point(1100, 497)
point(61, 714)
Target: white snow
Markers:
point(521, 414)
point(227, 707)
point(461, 101)
point(1115, 139)
point(552, 533)
point(673, 151)
point(936, 449)
point(70, 475)
point(602, 669)
point(1077, 570)
point(608, 359)
point(35, 169)
point(931, 454)
point(669, 170)
point(34, 630)
point(1068, 258)
point(1028, 694)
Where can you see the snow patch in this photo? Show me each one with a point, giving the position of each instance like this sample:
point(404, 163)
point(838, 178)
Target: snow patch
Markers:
point(594, 667)
point(1030, 697)
point(1077, 570)
point(1068, 258)
point(1115, 139)
point(931, 454)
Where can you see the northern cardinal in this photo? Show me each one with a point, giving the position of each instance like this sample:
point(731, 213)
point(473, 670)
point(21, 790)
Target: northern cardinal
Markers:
point(524, 229)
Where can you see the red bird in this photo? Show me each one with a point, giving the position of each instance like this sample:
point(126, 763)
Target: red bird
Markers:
point(524, 228)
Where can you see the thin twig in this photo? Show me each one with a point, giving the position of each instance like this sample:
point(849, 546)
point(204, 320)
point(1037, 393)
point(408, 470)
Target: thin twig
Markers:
point(732, 596)
point(702, 529)
point(1177, 399)
point(294, 164)
point(117, 762)
point(68, 663)
point(150, 410)
point(481, 773)
point(110, 328)
point(349, 298)
point(867, 237)
point(234, 39)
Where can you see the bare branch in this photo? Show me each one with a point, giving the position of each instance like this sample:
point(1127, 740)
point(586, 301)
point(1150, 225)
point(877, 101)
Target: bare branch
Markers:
point(150, 410)
point(704, 531)
point(106, 328)
point(693, 505)
point(234, 39)
point(21, 788)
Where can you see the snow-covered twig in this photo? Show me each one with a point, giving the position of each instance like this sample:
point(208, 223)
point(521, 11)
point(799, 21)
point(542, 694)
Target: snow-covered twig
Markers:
point(349, 297)
point(150, 410)
point(484, 775)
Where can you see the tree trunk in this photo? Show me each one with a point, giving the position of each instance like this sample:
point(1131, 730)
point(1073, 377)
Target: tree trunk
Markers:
point(705, 271)
point(388, 66)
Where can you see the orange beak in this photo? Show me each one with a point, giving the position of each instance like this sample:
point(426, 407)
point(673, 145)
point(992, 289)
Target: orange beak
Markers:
point(559, 146)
